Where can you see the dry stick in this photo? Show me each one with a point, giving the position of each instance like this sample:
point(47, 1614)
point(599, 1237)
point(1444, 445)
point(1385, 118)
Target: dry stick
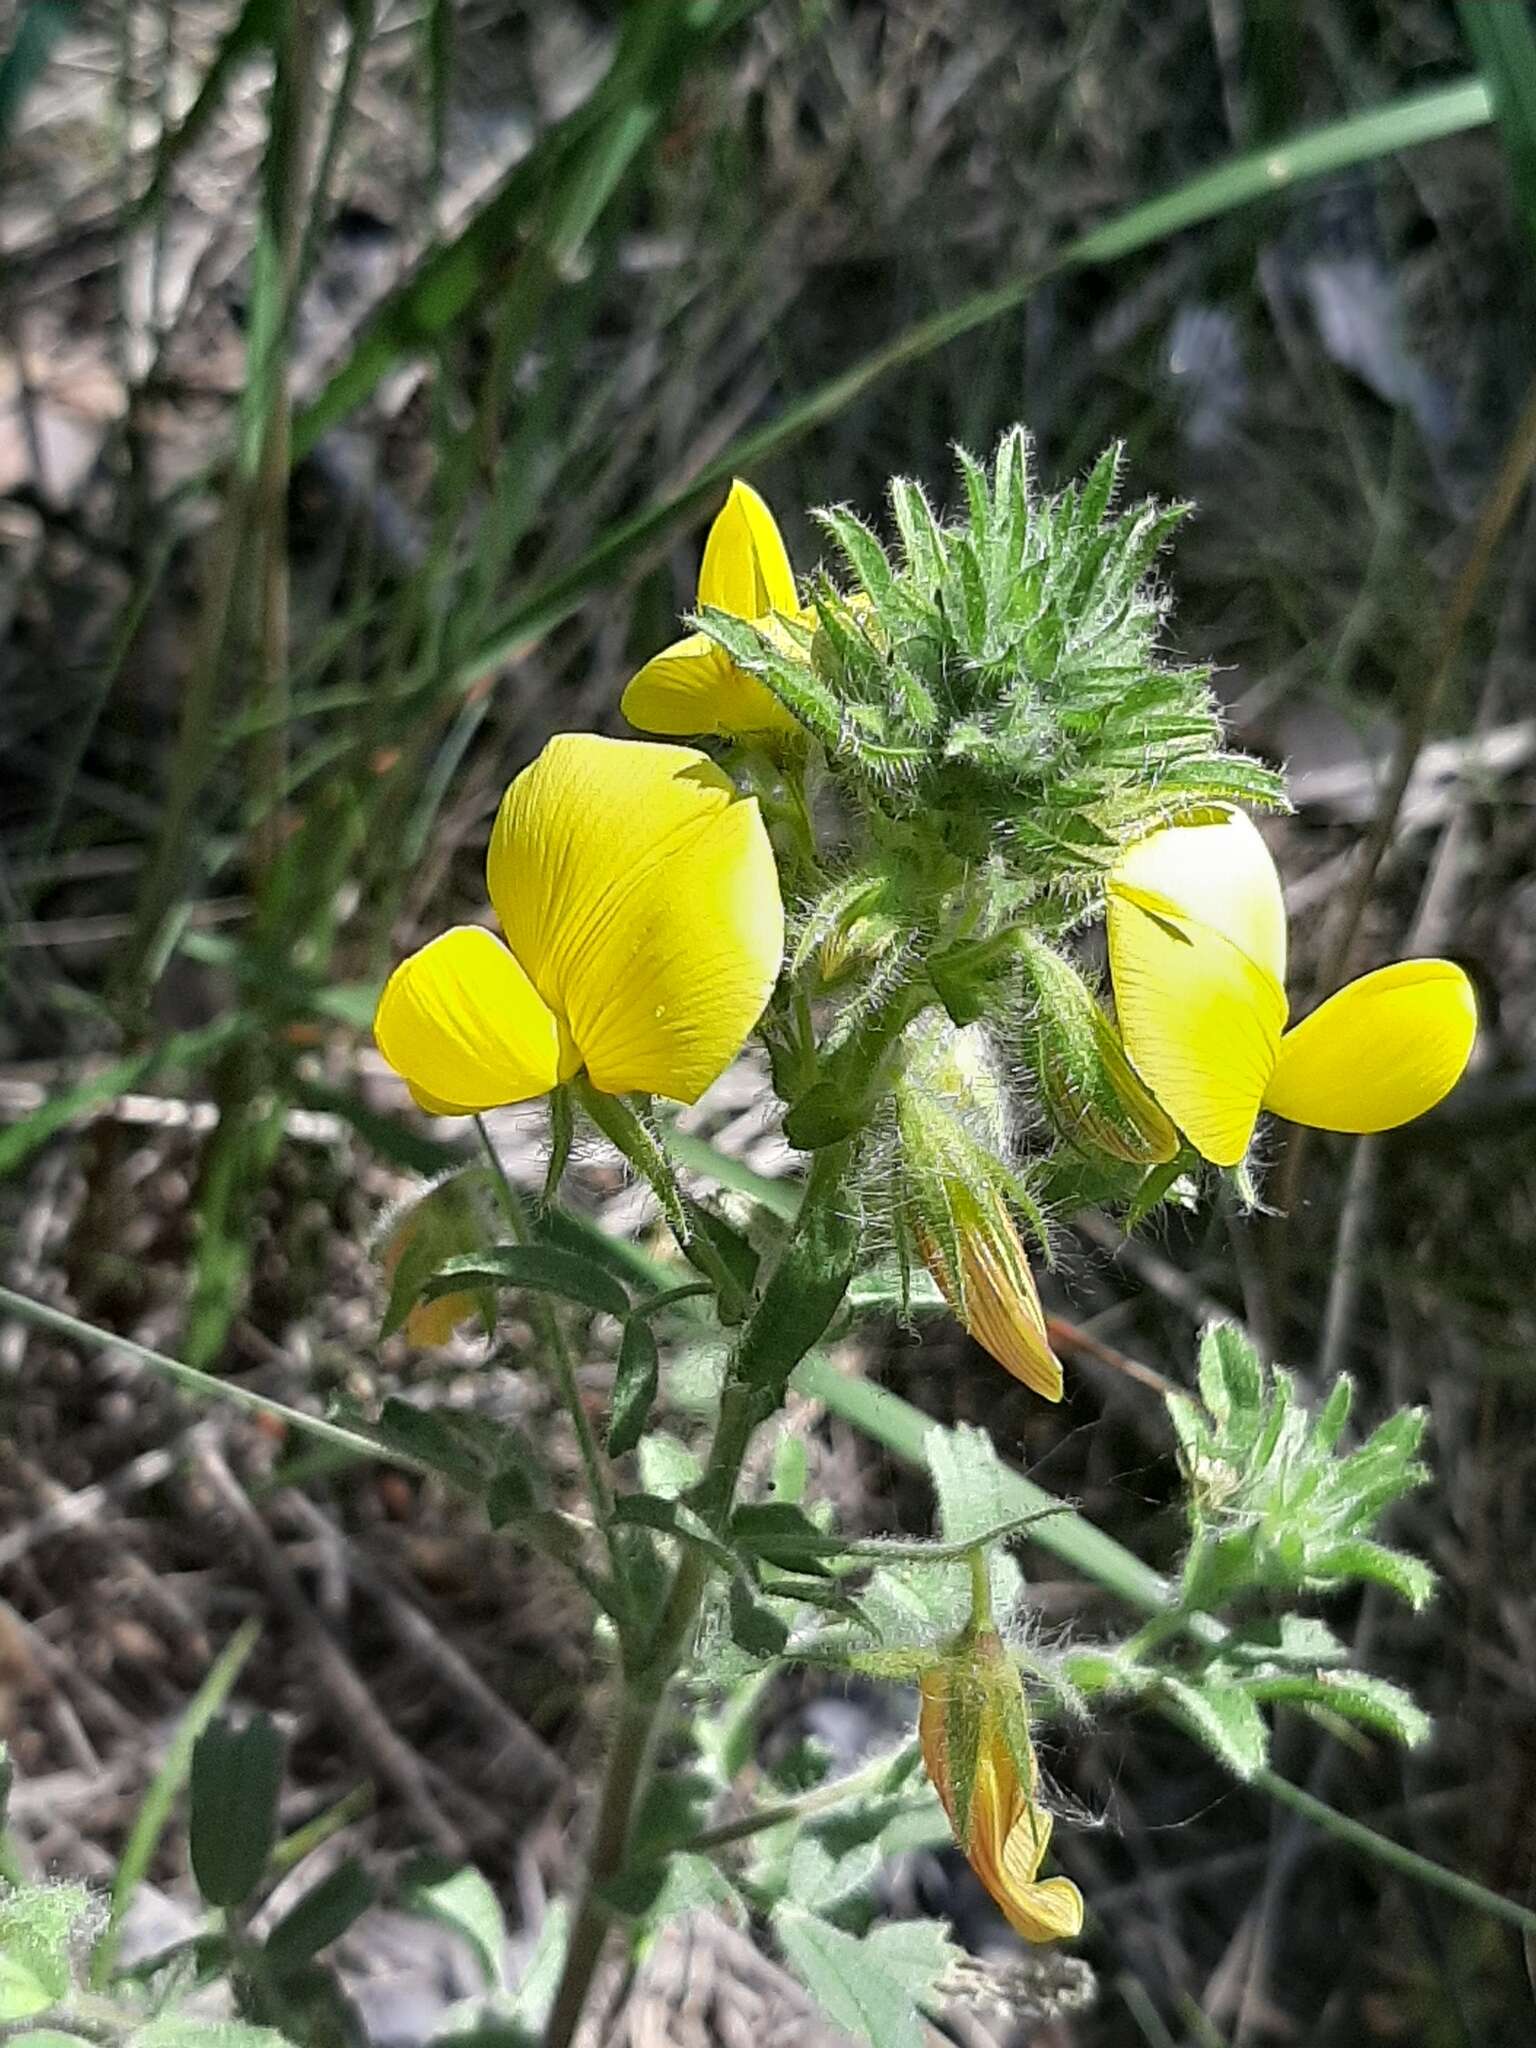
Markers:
point(1498, 510)
point(356, 1711)
point(528, 1750)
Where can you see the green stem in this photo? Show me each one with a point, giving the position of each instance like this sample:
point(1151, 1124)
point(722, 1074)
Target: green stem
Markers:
point(870, 1777)
point(552, 1340)
point(648, 1680)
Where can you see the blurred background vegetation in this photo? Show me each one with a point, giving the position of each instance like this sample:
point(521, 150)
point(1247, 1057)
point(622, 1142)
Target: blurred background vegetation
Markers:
point(366, 376)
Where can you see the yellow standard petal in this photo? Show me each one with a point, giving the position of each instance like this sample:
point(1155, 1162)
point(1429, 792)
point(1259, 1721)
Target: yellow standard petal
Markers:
point(746, 568)
point(1380, 1052)
point(693, 686)
point(1197, 959)
point(637, 887)
point(463, 1025)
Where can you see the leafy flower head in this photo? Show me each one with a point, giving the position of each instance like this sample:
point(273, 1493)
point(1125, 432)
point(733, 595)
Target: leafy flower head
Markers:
point(637, 891)
point(1197, 946)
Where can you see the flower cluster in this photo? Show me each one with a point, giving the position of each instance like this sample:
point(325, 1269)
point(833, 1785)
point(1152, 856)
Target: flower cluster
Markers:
point(958, 754)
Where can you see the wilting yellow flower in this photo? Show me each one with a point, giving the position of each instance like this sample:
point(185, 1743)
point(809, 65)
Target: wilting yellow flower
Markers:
point(952, 1115)
point(644, 931)
point(1006, 1833)
point(693, 686)
point(994, 1292)
point(1197, 945)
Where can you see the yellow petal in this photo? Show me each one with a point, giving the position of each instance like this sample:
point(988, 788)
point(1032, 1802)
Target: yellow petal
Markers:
point(1200, 1022)
point(1047, 1911)
point(461, 1023)
point(746, 569)
point(638, 889)
point(693, 686)
point(1212, 869)
point(1379, 1052)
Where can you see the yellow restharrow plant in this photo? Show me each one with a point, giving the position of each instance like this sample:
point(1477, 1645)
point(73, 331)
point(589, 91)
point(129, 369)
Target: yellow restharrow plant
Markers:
point(1197, 949)
point(644, 931)
point(973, 1702)
point(693, 686)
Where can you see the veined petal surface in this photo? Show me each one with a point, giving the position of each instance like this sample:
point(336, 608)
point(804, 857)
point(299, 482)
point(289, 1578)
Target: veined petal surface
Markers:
point(1380, 1052)
point(638, 888)
point(746, 568)
point(1200, 1020)
point(693, 686)
point(1212, 869)
point(465, 1028)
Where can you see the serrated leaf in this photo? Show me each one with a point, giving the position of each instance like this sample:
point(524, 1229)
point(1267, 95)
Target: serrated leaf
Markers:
point(543, 1268)
point(37, 1926)
point(667, 1466)
point(237, 1774)
point(1225, 1719)
point(683, 1882)
point(872, 1987)
point(821, 1879)
point(970, 1480)
point(1375, 1702)
point(462, 1900)
point(634, 1386)
point(1334, 1414)
point(322, 1916)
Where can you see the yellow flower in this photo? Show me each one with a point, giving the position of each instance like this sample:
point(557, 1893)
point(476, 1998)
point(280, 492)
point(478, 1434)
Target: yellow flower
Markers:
point(644, 931)
point(693, 686)
point(1006, 1832)
point(1197, 946)
point(994, 1293)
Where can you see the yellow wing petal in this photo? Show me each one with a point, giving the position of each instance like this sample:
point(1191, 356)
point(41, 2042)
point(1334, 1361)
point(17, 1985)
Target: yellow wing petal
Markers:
point(638, 888)
point(1379, 1052)
point(693, 686)
point(461, 1023)
point(1200, 1021)
point(1212, 869)
point(746, 568)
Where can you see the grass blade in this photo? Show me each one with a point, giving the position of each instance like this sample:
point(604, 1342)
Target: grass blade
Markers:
point(1361, 138)
point(155, 1809)
point(1503, 40)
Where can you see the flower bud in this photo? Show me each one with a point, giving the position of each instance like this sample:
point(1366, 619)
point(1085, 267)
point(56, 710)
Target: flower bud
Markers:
point(973, 1729)
point(1089, 1087)
point(952, 1116)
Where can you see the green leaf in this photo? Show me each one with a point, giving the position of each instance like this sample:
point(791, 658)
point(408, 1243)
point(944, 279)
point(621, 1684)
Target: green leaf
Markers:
point(463, 1900)
point(47, 2037)
point(821, 1879)
point(438, 1439)
point(1408, 1577)
point(37, 1928)
point(175, 2033)
point(1225, 1719)
point(543, 1268)
point(1231, 1380)
point(681, 1883)
point(634, 1386)
point(755, 1627)
point(785, 1535)
point(322, 1916)
point(1353, 1696)
point(667, 1466)
point(237, 1774)
point(672, 1518)
point(870, 1987)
